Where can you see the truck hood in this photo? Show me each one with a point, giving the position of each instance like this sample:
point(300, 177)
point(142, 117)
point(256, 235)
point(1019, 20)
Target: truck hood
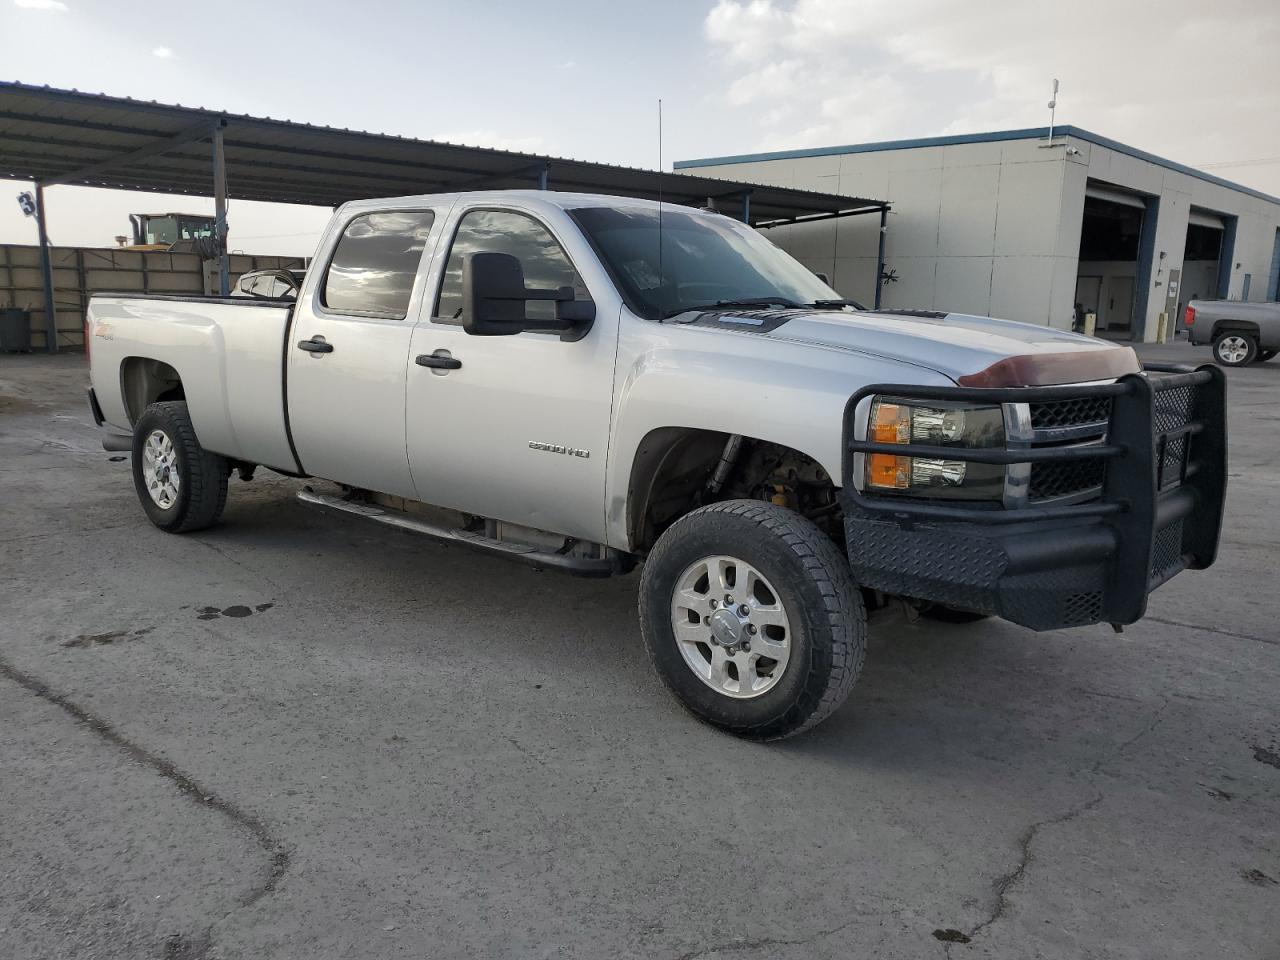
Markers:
point(973, 351)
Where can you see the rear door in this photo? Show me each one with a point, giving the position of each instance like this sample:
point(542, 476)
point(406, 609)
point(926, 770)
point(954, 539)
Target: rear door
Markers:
point(349, 345)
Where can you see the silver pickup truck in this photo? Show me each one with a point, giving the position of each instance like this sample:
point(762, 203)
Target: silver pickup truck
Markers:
point(588, 383)
point(1240, 331)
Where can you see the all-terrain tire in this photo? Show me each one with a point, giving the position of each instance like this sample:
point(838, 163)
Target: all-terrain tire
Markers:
point(827, 627)
point(201, 476)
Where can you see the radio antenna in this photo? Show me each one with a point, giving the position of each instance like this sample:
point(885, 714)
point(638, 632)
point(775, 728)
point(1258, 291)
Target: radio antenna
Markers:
point(661, 174)
point(1053, 108)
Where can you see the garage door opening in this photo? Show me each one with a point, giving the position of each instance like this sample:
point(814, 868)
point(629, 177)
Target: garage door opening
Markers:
point(1201, 261)
point(1110, 251)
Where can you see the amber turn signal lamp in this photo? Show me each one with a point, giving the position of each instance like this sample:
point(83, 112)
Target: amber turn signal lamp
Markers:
point(890, 423)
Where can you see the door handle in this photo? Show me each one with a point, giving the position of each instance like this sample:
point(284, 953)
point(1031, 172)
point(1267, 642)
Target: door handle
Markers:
point(440, 363)
point(315, 345)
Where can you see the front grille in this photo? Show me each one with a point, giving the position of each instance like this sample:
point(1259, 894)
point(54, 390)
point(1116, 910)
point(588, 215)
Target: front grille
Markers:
point(1070, 413)
point(1051, 479)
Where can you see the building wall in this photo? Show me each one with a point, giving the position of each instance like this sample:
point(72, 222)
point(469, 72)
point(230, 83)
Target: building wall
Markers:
point(993, 226)
point(1256, 222)
point(78, 272)
point(974, 228)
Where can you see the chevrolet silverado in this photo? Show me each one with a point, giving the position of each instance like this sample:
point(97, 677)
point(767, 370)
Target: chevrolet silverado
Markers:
point(589, 383)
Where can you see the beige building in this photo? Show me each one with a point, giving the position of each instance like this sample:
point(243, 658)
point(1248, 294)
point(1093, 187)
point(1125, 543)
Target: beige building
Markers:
point(1014, 224)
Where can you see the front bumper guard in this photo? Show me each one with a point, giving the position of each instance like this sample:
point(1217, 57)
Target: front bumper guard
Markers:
point(1159, 511)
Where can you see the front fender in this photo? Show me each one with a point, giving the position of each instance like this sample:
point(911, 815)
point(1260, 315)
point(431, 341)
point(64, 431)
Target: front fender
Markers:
point(784, 393)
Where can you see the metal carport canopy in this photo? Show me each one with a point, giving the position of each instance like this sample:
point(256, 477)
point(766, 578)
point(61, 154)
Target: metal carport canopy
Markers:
point(53, 137)
point(65, 136)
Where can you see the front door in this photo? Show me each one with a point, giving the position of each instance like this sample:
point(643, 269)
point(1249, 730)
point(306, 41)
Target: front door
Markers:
point(349, 346)
point(518, 430)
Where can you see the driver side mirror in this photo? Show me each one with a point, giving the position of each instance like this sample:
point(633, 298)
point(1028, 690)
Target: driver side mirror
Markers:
point(495, 300)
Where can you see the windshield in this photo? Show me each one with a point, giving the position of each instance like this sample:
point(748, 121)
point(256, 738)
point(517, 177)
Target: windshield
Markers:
point(172, 228)
point(704, 260)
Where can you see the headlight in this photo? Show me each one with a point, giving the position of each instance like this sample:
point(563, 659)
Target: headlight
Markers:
point(937, 423)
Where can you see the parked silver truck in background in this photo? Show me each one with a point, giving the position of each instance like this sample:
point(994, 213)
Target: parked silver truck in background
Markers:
point(588, 383)
point(1240, 331)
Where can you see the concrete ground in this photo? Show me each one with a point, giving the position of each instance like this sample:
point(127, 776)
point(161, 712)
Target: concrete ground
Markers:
point(303, 736)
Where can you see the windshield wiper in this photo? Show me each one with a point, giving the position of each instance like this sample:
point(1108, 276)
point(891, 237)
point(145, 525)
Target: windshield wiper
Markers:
point(731, 304)
point(835, 304)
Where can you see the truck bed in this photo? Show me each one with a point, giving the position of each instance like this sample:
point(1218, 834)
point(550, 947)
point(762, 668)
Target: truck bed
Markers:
point(228, 351)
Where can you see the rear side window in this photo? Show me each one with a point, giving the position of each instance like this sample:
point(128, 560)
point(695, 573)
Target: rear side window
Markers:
point(375, 263)
point(545, 263)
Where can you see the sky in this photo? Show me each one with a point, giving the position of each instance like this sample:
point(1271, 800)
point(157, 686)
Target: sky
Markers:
point(1194, 82)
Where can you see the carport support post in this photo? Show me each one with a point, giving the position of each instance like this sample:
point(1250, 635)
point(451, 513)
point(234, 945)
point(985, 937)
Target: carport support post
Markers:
point(220, 210)
point(46, 268)
point(884, 225)
point(746, 207)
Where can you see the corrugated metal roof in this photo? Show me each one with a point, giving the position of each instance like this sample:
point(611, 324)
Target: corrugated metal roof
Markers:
point(94, 140)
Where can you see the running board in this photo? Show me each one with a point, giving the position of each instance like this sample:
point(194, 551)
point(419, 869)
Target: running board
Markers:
point(578, 566)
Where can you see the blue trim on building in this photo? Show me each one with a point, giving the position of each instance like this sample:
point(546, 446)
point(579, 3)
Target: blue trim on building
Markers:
point(1029, 133)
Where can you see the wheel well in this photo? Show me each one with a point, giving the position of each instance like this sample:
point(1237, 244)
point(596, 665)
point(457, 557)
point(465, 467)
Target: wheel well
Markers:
point(1236, 326)
point(143, 381)
point(673, 473)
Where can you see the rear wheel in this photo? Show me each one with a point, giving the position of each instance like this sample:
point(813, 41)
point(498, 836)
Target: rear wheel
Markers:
point(1265, 355)
point(1235, 348)
point(752, 619)
point(181, 485)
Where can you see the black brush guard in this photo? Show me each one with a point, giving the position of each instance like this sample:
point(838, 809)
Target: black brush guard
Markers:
point(1159, 511)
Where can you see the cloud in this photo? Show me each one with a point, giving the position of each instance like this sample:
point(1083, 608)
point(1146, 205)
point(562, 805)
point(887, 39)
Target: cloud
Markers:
point(164, 53)
point(767, 82)
point(747, 29)
point(821, 72)
point(491, 138)
point(57, 5)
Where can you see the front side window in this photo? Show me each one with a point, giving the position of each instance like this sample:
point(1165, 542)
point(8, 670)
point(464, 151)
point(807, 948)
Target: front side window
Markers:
point(375, 263)
point(162, 230)
point(546, 265)
point(194, 229)
point(684, 261)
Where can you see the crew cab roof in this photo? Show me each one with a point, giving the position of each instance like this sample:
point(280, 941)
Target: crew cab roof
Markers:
point(550, 198)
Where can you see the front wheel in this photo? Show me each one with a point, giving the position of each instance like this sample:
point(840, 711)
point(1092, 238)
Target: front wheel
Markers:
point(752, 619)
point(181, 485)
point(1265, 355)
point(1234, 349)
